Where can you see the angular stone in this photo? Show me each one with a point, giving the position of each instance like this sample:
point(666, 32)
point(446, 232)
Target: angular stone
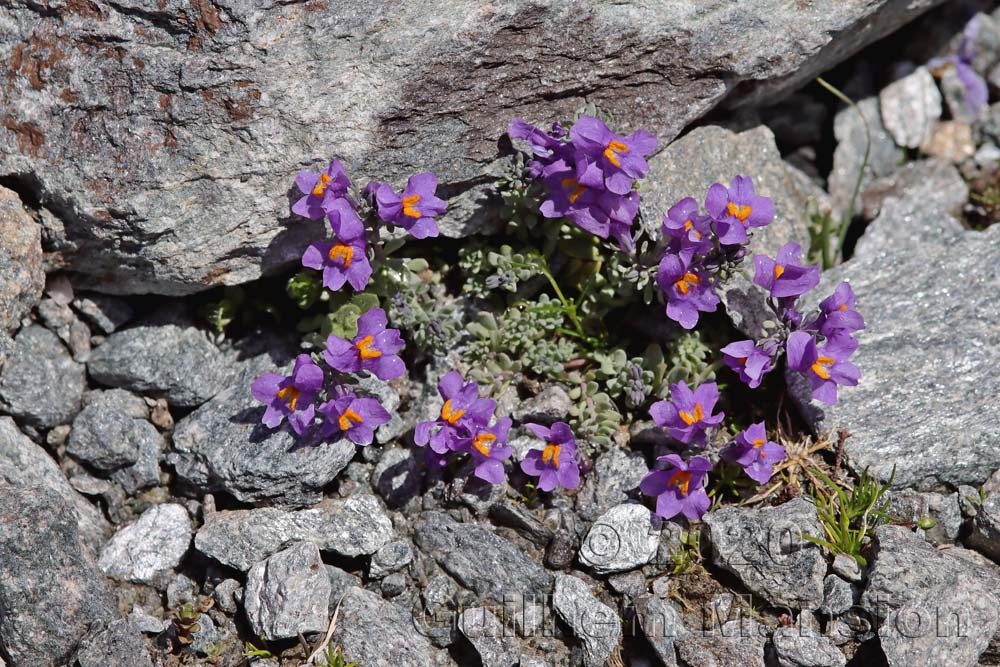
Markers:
point(479, 559)
point(921, 185)
point(152, 545)
point(397, 476)
point(288, 593)
point(616, 473)
point(935, 607)
point(926, 406)
point(738, 643)
point(662, 625)
point(391, 557)
point(107, 439)
point(63, 322)
point(985, 534)
point(494, 644)
point(765, 549)
point(141, 209)
point(119, 643)
point(884, 157)
point(50, 589)
point(847, 567)
point(707, 155)
point(552, 404)
point(910, 107)
point(25, 465)
point(40, 383)
point(838, 596)
point(240, 538)
point(952, 141)
point(178, 363)
point(594, 623)
point(623, 538)
point(397, 642)
point(106, 313)
point(22, 276)
point(802, 647)
point(222, 446)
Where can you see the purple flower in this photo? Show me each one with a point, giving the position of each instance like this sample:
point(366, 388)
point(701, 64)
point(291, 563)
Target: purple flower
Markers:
point(607, 160)
point(556, 464)
point(755, 453)
point(320, 189)
point(346, 259)
point(737, 209)
point(290, 396)
point(353, 417)
point(489, 450)
point(692, 230)
point(603, 214)
point(837, 314)
point(414, 209)
point(688, 414)
point(680, 489)
point(688, 290)
point(785, 276)
point(374, 349)
point(976, 92)
point(543, 144)
point(826, 367)
point(463, 411)
point(748, 360)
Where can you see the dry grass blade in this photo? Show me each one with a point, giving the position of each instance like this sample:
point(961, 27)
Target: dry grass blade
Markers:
point(311, 660)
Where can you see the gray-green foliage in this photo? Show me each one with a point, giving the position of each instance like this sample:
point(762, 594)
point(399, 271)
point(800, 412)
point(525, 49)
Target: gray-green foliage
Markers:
point(419, 304)
point(522, 337)
point(487, 271)
point(688, 359)
point(594, 417)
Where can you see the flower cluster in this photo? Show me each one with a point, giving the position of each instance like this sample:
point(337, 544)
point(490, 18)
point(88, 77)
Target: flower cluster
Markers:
point(702, 246)
point(589, 174)
point(345, 414)
point(817, 345)
point(680, 487)
point(462, 430)
point(346, 258)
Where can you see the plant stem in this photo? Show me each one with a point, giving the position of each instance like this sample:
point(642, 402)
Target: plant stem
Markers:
point(849, 215)
point(568, 306)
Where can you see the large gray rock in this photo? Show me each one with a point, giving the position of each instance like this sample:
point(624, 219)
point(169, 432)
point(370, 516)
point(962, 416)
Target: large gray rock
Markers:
point(152, 545)
point(495, 646)
point(222, 446)
point(119, 643)
point(288, 593)
point(178, 363)
point(40, 383)
point(849, 157)
point(662, 625)
point(396, 643)
point(802, 647)
point(707, 155)
point(926, 403)
point(107, 438)
point(25, 465)
point(736, 643)
point(50, 589)
point(934, 607)
point(479, 559)
point(594, 623)
point(623, 538)
point(910, 107)
point(985, 534)
point(22, 276)
point(765, 549)
point(165, 163)
point(616, 473)
point(240, 538)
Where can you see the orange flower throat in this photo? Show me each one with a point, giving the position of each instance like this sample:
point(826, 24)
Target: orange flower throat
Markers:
point(365, 348)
